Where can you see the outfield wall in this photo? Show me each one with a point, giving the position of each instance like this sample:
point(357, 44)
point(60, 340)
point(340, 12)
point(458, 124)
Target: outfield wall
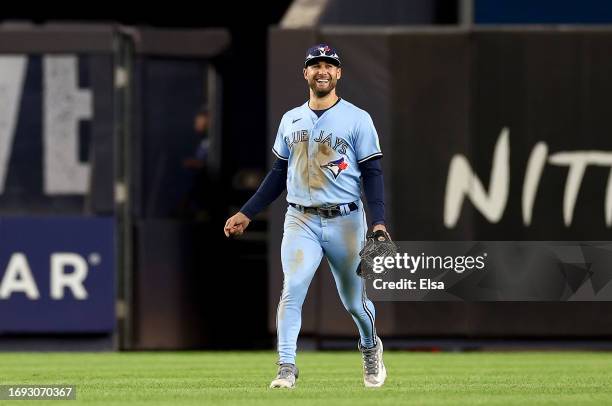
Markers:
point(95, 121)
point(533, 99)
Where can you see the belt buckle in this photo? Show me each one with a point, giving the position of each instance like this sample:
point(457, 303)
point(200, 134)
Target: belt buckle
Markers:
point(327, 212)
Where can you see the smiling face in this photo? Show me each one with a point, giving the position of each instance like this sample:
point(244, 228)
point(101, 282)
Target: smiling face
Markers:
point(322, 77)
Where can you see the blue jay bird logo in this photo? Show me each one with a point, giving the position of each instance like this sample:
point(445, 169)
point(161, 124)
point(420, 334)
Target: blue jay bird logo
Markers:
point(336, 167)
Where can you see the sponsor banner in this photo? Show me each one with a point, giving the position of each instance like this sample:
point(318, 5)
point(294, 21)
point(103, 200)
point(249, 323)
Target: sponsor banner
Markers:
point(57, 274)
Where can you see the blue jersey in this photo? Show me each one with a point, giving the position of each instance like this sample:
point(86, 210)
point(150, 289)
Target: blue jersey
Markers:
point(323, 153)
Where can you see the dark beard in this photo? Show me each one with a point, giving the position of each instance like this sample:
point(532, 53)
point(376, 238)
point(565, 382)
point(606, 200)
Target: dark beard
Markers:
point(322, 93)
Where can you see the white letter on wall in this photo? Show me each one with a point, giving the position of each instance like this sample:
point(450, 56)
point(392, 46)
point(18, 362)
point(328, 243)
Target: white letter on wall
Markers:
point(462, 182)
point(64, 106)
point(535, 166)
point(12, 73)
point(73, 280)
point(18, 278)
point(577, 162)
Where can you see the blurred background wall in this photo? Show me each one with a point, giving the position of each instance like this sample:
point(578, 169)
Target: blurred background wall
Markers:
point(127, 138)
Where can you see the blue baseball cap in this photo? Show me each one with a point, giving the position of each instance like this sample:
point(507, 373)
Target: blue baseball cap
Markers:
point(322, 52)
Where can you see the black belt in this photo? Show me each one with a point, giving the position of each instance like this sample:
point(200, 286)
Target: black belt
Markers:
point(327, 212)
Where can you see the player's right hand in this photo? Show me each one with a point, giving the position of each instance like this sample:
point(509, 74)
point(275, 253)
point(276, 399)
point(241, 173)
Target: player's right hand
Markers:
point(235, 225)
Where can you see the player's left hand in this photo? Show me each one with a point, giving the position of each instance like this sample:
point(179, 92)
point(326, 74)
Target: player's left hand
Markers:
point(381, 227)
point(378, 244)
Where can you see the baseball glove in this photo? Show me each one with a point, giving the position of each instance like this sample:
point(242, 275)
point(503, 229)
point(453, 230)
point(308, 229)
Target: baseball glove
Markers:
point(378, 244)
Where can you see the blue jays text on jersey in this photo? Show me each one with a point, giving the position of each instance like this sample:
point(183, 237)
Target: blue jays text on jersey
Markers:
point(323, 153)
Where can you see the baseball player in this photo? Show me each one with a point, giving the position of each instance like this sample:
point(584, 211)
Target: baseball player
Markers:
point(324, 148)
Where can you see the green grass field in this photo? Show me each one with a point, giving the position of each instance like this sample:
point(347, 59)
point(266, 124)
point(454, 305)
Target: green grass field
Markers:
point(333, 378)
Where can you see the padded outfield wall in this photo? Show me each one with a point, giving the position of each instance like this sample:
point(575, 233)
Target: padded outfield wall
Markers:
point(532, 100)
